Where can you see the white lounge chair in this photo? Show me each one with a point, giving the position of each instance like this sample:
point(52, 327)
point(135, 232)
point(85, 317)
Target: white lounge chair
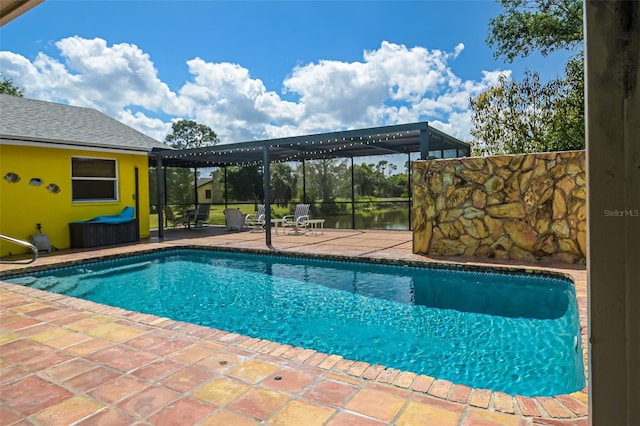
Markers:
point(298, 220)
point(256, 220)
point(235, 219)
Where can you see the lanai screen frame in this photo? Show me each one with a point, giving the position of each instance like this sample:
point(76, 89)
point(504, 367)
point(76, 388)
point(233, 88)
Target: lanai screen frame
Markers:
point(394, 139)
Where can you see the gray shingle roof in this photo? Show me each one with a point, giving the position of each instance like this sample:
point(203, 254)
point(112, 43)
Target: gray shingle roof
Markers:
point(39, 121)
point(203, 181)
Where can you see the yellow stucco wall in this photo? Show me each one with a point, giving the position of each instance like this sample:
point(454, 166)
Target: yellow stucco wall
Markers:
point(202, 193)
point(23, 205)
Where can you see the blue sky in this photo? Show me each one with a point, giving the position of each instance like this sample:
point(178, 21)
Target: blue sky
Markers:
point(262, 69)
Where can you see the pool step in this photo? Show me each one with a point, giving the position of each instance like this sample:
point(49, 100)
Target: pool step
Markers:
point(42, 283)
point(74, 286)
point(82, 289)
point(65, 286)
point(115, 270)
point(25, 281)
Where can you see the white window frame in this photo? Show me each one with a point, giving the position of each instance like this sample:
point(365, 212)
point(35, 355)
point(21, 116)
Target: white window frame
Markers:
point(114, 179)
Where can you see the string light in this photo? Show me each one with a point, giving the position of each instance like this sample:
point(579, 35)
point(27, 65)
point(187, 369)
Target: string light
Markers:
point(326, 148)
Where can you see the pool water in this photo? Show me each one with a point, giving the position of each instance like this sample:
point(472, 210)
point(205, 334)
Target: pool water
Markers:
point(514, 333)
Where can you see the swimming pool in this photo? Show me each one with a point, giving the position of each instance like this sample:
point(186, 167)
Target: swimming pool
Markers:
point(506, 332)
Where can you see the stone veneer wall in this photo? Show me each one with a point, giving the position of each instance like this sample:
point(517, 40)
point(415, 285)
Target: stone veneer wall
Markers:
point(528, 207)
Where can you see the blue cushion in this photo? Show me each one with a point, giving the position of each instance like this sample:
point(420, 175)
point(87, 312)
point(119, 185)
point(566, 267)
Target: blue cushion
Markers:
point(126, 215)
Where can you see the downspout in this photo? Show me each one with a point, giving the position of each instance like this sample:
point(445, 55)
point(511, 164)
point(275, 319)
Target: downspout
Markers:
point(136, 197)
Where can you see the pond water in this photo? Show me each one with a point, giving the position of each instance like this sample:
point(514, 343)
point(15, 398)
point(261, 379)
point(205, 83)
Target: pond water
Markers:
point(386, 219)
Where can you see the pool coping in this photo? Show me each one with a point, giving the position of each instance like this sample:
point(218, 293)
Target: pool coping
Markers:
point(282, 253)
point(565, 407)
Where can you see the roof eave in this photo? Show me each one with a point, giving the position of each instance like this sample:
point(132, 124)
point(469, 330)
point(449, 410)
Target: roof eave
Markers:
point(21, 140)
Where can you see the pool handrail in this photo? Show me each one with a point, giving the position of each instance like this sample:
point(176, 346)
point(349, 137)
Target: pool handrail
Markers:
point(30, 246)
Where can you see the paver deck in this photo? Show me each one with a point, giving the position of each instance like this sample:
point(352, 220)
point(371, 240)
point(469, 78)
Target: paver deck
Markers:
point(68, 361)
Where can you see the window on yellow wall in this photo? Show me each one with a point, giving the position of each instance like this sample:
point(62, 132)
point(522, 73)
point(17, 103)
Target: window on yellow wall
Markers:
point(207, 194)
point(94, 179)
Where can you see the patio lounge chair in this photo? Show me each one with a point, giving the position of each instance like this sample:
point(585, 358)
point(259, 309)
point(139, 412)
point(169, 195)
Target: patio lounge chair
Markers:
point(235, 219)
point(199, 217)
point(257, 220)
point(173, 219)
point(298, 220)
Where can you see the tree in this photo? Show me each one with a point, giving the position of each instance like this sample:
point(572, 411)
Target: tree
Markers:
point(524, 117)
point(324, 177)
point(382, 166)
point(8, 88)
point(284, 181)
point(180, 181)
point(190, 134)
point(180, 189)
point(528, 116)
point(245, 183)
point(363, 180)
point(529, 26)
point(568, 130)
point(399, 185)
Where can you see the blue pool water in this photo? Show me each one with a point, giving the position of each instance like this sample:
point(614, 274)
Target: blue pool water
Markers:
point(517, 334)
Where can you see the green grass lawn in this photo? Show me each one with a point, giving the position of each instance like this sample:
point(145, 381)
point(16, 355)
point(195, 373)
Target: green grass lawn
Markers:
point(216, 215)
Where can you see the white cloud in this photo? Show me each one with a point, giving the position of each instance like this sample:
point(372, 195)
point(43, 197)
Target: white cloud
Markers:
point(152, 127)
point(95, 75)
point(458, 50)
point(392, 84)
point(491, 77)
point(458, 125)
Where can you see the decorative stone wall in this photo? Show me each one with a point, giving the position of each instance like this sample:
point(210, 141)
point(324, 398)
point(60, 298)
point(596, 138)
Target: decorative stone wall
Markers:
point(527, 207)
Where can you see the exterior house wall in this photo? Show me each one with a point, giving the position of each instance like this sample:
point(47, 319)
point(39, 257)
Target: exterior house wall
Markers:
point(527, 207)
point(23, 205)
point(202, 193)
